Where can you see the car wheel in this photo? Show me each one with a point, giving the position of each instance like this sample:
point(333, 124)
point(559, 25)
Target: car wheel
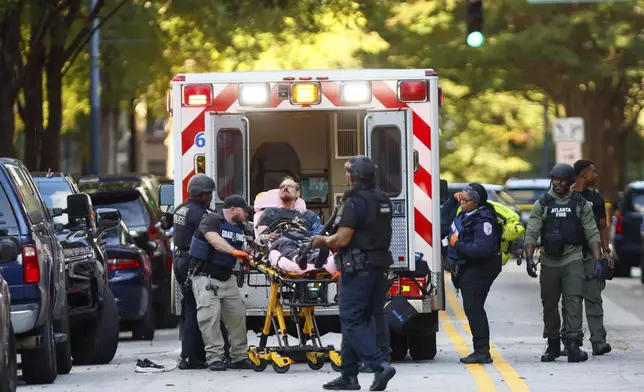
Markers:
point(64, 349)
point(39, 365)
point(144, 329)
point(9, 377)
point(96, 343)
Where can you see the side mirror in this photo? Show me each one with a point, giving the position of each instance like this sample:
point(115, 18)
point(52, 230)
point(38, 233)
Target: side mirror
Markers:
point(152, 246)
point(108, 218)
point(444, 190)
point(79, 206)
point(36, 217)
point(166, 221)
point(9, 249)
point(166, 196)
point(54, 212)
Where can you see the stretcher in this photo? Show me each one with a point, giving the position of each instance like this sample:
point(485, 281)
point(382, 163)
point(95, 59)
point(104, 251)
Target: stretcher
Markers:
point(294, 295)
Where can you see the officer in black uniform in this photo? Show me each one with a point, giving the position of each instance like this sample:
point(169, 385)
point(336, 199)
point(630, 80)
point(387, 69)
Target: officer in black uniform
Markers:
point(186, 217)
point(363, 237)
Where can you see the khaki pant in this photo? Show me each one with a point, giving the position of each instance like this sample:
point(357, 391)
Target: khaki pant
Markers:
point(225, 302)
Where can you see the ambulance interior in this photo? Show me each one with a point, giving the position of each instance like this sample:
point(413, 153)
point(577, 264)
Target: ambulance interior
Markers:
point(312, 147)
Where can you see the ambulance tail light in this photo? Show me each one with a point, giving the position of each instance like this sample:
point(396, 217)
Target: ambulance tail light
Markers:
point(355, 92)
point(305, 93)
point(408, 287)
point(197, 95)
point(619, 225)
point(413, 91)
point(254, 94)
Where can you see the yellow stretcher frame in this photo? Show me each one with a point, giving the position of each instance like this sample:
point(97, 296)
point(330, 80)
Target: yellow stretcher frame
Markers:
point(280, 356)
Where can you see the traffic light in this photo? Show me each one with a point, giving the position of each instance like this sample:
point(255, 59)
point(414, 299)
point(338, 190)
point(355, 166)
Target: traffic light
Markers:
point(475, 37)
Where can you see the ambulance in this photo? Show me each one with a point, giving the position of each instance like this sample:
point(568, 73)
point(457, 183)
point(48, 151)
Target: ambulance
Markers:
point(248, 130)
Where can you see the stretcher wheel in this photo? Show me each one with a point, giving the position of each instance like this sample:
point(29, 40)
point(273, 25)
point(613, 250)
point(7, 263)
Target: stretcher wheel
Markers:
point(316, 366)
point(263, 363)
point(281, 369)
point(335, 367)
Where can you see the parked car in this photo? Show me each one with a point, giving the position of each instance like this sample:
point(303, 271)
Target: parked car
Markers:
point(130, 277)
point(9, 250)
point(148, 182)
point(90, 302)
point(36, 277)
point(525, 192)
point(626, 229)
point(145, 223)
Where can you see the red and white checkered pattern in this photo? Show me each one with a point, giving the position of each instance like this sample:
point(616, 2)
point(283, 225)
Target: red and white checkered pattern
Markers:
point(384, 97)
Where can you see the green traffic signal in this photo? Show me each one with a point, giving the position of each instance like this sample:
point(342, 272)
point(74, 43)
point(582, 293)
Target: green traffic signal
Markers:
point(475, 39)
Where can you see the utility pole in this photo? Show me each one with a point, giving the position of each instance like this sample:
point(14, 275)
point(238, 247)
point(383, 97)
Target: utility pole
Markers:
point(95, 97)
point(545, 158)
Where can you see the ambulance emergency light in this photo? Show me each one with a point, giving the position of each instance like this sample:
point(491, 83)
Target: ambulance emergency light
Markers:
point(413, 91)
point(305, 93)
point(357, 92)
point(197, 95)
point(254, 94)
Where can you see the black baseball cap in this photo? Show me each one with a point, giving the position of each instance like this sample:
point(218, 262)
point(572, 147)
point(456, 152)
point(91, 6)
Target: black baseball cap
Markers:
point(234, 201)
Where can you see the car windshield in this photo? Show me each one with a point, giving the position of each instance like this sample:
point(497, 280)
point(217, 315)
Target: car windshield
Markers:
point(133, 212)
point(526, 196)
point(54, 192)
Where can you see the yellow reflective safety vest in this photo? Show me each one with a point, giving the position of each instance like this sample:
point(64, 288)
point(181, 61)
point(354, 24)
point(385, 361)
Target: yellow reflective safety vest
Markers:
point(511, 227)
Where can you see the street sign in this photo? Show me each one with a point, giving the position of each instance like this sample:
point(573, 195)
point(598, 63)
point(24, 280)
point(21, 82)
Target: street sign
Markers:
point(568, 129)
point(568, 152)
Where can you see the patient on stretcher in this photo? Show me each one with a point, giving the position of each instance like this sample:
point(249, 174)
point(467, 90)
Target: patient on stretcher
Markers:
point(286, 231)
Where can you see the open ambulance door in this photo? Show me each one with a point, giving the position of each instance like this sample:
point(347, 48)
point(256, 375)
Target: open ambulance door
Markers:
point(227, 161)
point(388, 144)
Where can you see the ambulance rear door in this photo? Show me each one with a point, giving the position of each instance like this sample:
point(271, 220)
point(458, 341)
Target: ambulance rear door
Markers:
point(227, 161)
point(388, 144)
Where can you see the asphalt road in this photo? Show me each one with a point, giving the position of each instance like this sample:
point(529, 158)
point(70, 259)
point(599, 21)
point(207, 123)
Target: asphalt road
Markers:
point(514, 310)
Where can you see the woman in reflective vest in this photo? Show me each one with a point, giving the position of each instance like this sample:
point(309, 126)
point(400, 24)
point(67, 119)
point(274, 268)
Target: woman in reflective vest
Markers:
point(474, 245)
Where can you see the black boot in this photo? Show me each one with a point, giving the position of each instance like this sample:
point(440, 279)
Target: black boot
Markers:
point(478, 356)
point(575, 354)
point(382, 377)
point(601, 348)
point(553, 351)
point(187, 364)
point(343, 383)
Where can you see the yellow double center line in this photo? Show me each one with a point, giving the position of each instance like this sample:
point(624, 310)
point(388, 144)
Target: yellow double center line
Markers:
point(482, 378)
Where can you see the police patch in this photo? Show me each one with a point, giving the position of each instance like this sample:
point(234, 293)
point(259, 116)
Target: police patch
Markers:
point(487, 228)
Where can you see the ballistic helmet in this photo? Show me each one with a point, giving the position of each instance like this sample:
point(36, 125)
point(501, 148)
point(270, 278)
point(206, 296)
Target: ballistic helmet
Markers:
point(362, 168)
point(199, 184)
point(563, 171)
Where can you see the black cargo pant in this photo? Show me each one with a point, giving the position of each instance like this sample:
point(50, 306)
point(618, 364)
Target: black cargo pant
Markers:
point(192, 344)
point(379, 325)
point(475, 282)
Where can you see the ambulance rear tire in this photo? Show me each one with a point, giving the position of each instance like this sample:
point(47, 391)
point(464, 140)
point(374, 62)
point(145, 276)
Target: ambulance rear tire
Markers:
point(398, 345)
point(423, 347)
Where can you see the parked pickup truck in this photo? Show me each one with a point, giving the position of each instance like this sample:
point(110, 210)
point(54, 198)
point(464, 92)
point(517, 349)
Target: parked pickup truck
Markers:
point(36, 277)
point(93, 314)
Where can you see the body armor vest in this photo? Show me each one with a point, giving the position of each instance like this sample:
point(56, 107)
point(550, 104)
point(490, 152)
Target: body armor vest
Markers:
point(185, 219)
point(374, 238)
point(561, 225)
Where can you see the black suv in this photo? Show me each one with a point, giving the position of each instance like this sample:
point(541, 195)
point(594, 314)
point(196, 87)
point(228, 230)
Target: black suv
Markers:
point(92, 308)
point(36, 277)
point(146, 223)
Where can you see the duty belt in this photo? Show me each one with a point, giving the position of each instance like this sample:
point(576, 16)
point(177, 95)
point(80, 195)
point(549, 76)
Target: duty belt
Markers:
point(180, 252)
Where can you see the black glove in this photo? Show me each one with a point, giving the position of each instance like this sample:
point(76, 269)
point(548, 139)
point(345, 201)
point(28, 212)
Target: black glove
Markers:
point(531, 267)
point(609, 269)
point(599, 270)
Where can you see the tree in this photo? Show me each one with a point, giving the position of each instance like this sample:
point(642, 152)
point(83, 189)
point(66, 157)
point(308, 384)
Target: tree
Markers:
point(588, 58)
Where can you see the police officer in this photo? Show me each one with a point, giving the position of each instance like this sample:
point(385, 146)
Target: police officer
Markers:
point(586, 176)
point(185, 219)
point(363, 237)
point(475, 247)
point(562, 219)
point(216, 246)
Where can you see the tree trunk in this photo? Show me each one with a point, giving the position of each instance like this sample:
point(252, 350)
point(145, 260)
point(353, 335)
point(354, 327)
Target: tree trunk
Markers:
point(10, 61)
point(32, 115)
point(133, 138)
point(605, 129)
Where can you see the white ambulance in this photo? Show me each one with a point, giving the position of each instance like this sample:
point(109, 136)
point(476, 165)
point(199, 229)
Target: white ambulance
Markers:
point(248, 130)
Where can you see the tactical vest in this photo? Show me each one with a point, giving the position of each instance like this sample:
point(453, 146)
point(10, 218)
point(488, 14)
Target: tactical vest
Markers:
point(594, 193)
point(374, 238)
point(185, 219)
point(201, 249)
point(561, 224)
